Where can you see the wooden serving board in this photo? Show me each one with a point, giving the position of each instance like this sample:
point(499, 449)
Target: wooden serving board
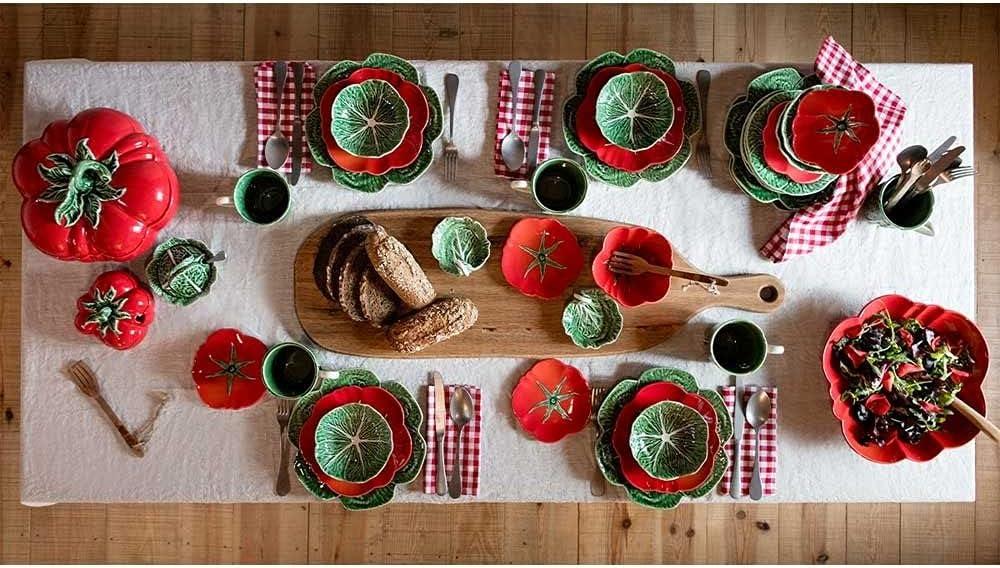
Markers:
point(511, 324)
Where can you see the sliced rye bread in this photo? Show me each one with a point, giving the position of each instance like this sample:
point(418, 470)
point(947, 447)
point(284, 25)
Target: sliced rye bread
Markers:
point(353, 239)
point(378, 302)
point(435, 323)
point(350, 277)
point(397, 267)
point(327, 246)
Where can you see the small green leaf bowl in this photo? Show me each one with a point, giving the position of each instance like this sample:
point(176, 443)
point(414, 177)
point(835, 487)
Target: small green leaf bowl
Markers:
point(634, 110)
point(370, 119)
point(182, 270)
point(592, 319)
point(460, 245)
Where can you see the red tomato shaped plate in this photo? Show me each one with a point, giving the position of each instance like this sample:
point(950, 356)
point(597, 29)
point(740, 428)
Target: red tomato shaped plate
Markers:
point(551, 401)
point(646, 397)
point(390, 409)
point(632, 291)
point(834, 129)
point(117, 309)
point(616, 156)
point(413, 139)
point(541, 257)
point(772, 151)
point(957, 430)
point(227, 369)
point(95, 188)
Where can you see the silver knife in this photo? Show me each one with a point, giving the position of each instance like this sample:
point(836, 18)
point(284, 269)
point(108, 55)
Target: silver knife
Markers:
point(941, 149)
point(736, 479)
point(293, 177)
point(439, 427)
point(535, 136)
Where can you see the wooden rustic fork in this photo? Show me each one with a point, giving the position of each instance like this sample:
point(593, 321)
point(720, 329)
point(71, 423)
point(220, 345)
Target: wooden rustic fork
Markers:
point(633, 265)
point(86, 381)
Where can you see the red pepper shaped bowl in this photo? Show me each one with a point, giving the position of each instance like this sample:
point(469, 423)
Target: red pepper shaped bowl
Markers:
point(541, 257)
point(957, 430)
point(227, 369)
point(551, 401)
point(632, 291)
point(95, 188)
point(834, 129)
point(117, 309)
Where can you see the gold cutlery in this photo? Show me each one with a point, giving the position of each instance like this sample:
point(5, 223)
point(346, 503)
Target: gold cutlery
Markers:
point(598, 485)
point(702, 153)
point(88, 384)
point(633, 265)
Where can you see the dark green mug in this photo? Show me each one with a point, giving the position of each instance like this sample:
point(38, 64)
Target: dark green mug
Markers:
point(910, 215)
point(290, 370)
point(261, 196)
point(558, 185)
point(739, 347)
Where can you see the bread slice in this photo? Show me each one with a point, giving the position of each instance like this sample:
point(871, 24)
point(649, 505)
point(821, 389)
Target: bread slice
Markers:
point(435, 323)
point(350, 277)
point(353, 239)
point(327, 246)
point(397, 267)
point(378, 302)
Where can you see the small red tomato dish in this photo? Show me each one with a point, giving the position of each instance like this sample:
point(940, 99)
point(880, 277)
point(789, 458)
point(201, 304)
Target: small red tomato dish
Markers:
point(834, 129)
point(632, 291)
point(117, 309)
point(894, 369)
point(95, 188)
point(541, 257)
point(227, 369)
point(551, 401)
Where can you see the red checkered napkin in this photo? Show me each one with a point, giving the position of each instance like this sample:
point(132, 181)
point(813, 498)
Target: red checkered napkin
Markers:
point(768, 444)
point(470, 443)
point(263, 78)
point(823, 223)
point(525, 107)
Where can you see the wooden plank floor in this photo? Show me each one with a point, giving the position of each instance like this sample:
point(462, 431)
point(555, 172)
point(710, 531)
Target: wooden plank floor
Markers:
point(720, 533)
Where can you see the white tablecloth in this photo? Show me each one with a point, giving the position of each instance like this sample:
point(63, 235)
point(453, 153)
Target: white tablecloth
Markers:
point(203, 113)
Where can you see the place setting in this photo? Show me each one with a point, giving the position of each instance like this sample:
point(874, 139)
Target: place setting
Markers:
point(427, 350)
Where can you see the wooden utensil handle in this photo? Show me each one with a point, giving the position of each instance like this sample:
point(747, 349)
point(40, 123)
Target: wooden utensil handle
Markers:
point(754, 293)
point(976, 418)
point(695, 276)
point(131, 440)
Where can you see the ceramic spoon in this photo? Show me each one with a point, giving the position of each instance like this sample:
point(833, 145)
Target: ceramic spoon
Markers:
point(758, 410)
point(512, 147)
point(462, 411)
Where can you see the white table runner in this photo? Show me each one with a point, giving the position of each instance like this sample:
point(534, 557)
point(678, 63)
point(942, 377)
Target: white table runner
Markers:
point(203, 114)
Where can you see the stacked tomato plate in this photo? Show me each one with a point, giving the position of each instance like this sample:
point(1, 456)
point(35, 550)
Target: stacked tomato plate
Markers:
point(373, 122)
point(330, 425)
point(661, 437)
point(631, 119)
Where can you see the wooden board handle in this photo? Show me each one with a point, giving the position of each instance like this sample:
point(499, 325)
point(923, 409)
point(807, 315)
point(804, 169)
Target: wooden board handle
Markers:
point(761, 293)
point(976, 418)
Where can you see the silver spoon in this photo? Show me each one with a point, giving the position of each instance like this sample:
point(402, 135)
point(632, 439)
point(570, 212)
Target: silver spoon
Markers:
point(907, 159)
point(758, 411)
point(462, 411)
point(512, 147)
point(276, 145)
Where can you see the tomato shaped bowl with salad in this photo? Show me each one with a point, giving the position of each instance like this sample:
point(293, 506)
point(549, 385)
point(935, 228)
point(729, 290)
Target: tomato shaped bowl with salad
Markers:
point(95, 188)
point(894, 370)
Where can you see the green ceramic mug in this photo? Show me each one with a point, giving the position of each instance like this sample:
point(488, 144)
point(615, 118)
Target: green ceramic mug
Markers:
point(559, 185)
point(261, 196)
point(290, 370)
point(739, 347)
point(911, 215)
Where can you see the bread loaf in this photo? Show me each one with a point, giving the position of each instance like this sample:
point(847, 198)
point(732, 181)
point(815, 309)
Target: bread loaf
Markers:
point(378, 302)
point(327, 248)
point(397, 267)
point(437, 322)
point(350, 278)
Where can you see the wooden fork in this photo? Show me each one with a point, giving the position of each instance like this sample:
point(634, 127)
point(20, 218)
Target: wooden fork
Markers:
point(86, 381)
point(632, 265)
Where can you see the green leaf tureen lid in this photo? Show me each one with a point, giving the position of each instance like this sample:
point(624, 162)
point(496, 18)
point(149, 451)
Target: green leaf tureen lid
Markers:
point(592, 319)
point(634, 110)
point(181, 270)
point(460, 245)
point(369, 119)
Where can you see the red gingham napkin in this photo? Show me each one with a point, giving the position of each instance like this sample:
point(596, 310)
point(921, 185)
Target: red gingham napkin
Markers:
point(823, 223)
point(768, 443)
point(470, 443)
point(263, 78)
point(525, 107)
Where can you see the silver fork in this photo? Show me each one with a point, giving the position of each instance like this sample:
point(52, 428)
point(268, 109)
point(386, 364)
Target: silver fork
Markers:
point(450, 150)
point(702, 153)
point(954, 174)
point(598, 485)
point(282, 486)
